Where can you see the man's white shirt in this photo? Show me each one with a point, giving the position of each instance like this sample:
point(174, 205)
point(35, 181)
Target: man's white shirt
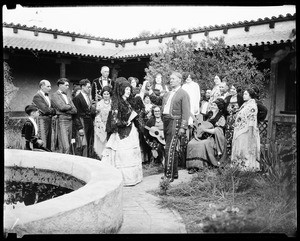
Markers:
point(34, 124)
point(168, 104)
point(46, 97)
point(193, 90)
point(64, 96)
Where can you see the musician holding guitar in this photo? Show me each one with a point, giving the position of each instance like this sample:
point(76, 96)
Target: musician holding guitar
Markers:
point(209, 150)
point(154, 135)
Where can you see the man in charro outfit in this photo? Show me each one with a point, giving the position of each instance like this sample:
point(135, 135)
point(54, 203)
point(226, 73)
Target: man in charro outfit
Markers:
point(42, 101)
point(99, 83)
point(176, 112)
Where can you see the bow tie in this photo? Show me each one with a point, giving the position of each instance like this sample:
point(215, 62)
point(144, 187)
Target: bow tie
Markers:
point(46, 94)
point(64, 93)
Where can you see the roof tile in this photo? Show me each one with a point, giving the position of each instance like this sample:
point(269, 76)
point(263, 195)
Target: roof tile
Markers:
point(246, 39)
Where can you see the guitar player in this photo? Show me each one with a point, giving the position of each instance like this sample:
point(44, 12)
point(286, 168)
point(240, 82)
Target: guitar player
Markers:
point(155, 140)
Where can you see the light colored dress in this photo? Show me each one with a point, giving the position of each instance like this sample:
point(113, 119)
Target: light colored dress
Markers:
point(125, 155)
point(241, 153)
point(215, 93)
point(100, 125)
point(210, 151)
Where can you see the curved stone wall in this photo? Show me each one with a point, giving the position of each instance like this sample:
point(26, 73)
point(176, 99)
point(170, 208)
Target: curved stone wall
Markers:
point(92, 209)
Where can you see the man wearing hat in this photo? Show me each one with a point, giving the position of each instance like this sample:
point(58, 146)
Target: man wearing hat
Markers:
point(42, 101)
point(99, 83)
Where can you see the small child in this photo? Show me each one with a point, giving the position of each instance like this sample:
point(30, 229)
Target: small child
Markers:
point(30, 130)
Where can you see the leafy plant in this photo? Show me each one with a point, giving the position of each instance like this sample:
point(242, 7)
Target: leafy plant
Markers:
point(279, 164)
point(164, 185)
point(235, 65)
point(10, 90)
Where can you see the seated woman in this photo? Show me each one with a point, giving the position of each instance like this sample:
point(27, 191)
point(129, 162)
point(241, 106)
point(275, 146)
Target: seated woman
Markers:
point(123, 147)
point(211, 151)
point(157, 148)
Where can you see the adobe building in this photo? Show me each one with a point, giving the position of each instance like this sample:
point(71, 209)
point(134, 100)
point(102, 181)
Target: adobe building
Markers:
point(39, 53)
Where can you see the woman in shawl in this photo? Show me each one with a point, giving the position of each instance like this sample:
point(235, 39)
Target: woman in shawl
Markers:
point(209, 150)
point(232, 104)
point(123, 147)
point(246, 141)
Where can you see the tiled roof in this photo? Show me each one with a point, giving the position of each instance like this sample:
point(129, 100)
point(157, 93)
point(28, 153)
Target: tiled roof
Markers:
point(54, 47)
point(218, 27)
point(59, 32)
point(254, 33)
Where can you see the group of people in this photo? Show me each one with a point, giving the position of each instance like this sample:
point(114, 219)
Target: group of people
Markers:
point(125, 123)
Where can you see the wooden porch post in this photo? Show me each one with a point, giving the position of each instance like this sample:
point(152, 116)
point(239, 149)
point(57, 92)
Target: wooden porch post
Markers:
point(278, 56)
point(62, 62)
point(272, 91)
point(62, 70)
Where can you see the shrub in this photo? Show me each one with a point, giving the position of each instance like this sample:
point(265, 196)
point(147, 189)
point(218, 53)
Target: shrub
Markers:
point(164, 186)
point(279, 164)
point(235, 65)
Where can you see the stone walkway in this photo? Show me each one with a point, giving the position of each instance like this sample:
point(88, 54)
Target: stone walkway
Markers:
point(141, 212)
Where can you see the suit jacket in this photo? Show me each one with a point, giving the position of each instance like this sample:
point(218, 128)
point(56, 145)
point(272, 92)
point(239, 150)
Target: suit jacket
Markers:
point(61, 107)
point(28, 132)
point(83, 110)
point(41, 103)
point(98, 82)
point(180, 105)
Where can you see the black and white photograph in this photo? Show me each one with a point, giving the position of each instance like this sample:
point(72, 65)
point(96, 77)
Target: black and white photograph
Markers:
point(150, 119)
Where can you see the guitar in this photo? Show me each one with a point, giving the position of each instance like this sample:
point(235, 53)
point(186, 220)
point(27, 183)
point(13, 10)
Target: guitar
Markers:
point(200, 124)
point(158, 134)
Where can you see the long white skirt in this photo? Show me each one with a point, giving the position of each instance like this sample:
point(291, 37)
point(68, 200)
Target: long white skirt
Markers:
point(125, 155)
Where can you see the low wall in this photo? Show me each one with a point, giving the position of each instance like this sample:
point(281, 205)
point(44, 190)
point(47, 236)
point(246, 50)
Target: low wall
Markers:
point(92, 209)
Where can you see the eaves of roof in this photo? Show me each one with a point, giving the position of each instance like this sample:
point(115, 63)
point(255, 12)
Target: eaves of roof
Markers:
point(157, 36)
point(59, 32)
point(227, 26)
point(274, 35)
point(54, 47)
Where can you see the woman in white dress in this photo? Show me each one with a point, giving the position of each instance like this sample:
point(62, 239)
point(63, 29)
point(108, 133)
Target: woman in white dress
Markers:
point(215, 92)
point(102, 108)
point(123, 147)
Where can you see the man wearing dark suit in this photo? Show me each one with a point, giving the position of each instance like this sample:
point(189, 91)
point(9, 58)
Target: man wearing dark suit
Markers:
point(99, 83)
point(65, 109)
point(84, 119)
point(176, 112)
point(42, 101)
point(30, 130)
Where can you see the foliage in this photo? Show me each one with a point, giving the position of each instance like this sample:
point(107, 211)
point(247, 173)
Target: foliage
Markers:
point(210, 57)
point(144, 34)
point(279, 163)
point(12, 134)
point(231, 201)
point(10, 90)
point(164, 185)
